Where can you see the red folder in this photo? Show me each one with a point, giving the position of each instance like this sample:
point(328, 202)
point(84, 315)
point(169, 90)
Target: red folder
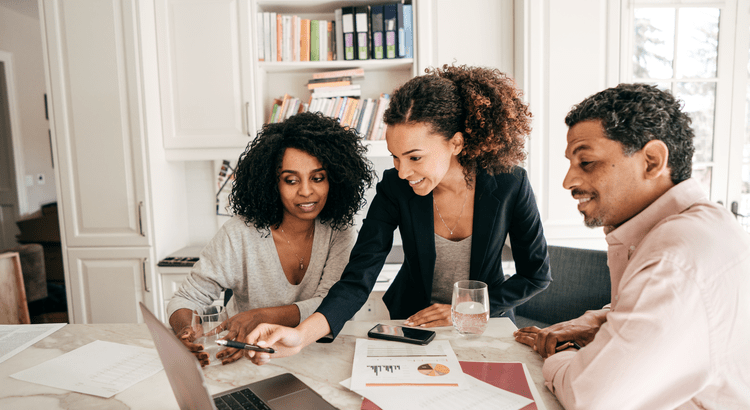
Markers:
point(507, 376)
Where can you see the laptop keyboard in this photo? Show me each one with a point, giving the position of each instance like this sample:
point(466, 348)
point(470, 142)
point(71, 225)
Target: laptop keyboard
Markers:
point(241, 399)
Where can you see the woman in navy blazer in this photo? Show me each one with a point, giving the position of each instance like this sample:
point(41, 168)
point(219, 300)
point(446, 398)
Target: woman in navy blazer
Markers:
point(457, 137)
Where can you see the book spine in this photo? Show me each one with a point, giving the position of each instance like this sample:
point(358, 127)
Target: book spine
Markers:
point(314, 40)
point(296, 32)
point(339, 28)
point(314, 86)
point(361, 26)
point(279, 38)
point(272, 31)
point(267, 36)
point(331, 41)
point(260, 34)
point(390, 27)
point(352, 72)
point(304, 46)
point(408, 32)
point(323, 38)
point(401, 35)
point(286, 30)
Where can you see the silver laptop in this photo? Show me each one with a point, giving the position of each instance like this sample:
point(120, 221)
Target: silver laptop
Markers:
point(185, 375)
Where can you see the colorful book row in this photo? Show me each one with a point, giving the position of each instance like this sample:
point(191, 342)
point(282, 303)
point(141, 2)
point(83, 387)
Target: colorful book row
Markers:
point(357, 33)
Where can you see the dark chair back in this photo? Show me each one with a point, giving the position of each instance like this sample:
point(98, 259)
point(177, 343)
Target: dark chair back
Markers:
point(580, 282)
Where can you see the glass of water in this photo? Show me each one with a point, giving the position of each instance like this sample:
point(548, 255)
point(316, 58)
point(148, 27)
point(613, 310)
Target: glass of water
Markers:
point(205, 323)
point(470, 307)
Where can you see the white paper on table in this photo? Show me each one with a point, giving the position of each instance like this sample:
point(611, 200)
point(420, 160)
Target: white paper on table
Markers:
point(387, 364)
point(478, 396)
point(15, 338)
point(100, 368)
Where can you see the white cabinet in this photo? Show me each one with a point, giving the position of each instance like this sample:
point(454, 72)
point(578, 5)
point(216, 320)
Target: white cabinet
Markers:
point(204, 73)
point(106, 284)
point(95, 90)
point(96, 127)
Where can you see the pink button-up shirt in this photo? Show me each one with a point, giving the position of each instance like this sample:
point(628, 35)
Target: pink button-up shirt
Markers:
point(678, 333)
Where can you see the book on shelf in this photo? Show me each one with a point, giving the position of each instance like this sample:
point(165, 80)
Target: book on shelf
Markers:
point(352, 90)
point(279, 38)
point(390, 25)
point(377, 32)
point(401, 34)
point(350, 72)
point(331, 39)
point(286, 35)
point(332, 82)
point(304, 42)
point(339, 33)
point(259, 32)
point(350, 36)
point(314, 40)
point(323, 39)
point(408, 32)
point(296, 38)
point(361, 27)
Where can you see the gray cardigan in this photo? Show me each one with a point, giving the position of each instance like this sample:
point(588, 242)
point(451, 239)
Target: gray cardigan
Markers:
point(245, 260)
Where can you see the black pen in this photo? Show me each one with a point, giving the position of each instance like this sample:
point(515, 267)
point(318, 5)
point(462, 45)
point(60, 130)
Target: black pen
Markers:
point(240, 345)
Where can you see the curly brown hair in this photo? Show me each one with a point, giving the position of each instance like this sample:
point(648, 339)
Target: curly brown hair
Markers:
point(482, 103)
point(255, 194)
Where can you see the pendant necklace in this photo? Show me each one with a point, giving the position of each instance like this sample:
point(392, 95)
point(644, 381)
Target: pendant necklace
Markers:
point(466, 195)
point(301, 260)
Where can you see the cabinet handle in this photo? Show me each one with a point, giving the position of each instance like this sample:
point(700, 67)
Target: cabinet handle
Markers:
point(247, 118)
point(145, 284)
point(140, 218)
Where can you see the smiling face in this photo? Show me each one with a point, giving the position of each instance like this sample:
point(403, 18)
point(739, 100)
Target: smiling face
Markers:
point(610, 187)
point(422, 157)
point(303, 185)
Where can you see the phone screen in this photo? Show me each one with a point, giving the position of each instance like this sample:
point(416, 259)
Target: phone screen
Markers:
point(400, 332)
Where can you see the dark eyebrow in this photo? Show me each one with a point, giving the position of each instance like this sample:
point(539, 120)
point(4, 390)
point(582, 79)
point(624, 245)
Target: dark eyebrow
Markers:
point(287, 171)
point(410, 151)
point(580, 147)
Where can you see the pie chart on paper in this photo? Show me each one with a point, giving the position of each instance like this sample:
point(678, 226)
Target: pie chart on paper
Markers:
point(431, 369)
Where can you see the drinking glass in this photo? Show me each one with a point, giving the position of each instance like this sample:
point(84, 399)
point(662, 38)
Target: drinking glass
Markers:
point(470, 307)
point(205, 324)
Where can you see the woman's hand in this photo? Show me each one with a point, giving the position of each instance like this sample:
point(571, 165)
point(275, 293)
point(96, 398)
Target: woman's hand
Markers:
point(238, 327)
point(286, 341)
point(433, 316)
point(187, 336)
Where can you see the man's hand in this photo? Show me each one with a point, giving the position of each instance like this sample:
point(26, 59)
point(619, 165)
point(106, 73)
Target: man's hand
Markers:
point(433, 316)
point(580, 330)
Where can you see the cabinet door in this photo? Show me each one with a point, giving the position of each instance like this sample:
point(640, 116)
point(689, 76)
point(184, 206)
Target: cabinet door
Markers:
point(96, 119)
point(106, 284)
point(204, 73)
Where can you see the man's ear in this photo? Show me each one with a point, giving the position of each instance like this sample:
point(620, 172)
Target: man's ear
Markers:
point(458, 142)
point(656, 154)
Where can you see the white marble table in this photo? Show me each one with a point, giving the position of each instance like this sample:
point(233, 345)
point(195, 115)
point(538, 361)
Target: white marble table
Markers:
point(320, 365)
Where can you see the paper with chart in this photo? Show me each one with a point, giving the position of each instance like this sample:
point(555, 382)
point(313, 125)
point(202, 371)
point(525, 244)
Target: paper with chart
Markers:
point(382, 363)
point(15, 338)
point(100, 368)
point(478, 396)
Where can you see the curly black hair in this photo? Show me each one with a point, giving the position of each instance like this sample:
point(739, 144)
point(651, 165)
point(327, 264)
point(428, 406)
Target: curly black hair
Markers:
point(482, 103)
point(255, 194)
point(634, 114)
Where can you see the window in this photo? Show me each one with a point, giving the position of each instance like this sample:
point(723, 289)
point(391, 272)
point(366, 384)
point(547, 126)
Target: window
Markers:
point(690, 49)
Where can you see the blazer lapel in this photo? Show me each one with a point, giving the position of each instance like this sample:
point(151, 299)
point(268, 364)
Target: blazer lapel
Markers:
point(424, 235)
point(486, 208)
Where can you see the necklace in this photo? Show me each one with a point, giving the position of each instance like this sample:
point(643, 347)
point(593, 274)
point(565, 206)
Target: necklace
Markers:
point(301, 260)
point(466, 195)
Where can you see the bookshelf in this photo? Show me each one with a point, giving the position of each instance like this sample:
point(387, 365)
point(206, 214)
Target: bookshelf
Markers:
point(273, 79)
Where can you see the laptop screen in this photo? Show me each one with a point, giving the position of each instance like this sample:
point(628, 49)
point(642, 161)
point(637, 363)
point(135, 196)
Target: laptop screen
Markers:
point(183, 370)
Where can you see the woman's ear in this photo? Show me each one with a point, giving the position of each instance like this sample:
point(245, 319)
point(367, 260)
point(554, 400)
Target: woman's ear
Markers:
point(656, 154)
point(457, 141)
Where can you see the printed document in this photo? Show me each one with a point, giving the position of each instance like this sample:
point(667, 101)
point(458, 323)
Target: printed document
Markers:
point(15, 338)
point(99, 368)
point(383, 363)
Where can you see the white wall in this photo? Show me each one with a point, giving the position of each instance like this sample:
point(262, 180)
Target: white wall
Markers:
point(566, 58)
point(20, 35)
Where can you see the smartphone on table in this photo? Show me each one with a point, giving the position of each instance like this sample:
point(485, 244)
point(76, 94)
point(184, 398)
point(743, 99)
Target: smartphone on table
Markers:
point(401, 334)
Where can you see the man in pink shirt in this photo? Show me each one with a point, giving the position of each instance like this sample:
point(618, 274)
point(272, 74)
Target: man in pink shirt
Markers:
point(677, 332)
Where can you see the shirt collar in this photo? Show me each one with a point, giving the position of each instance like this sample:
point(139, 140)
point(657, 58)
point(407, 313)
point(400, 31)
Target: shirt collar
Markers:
point(676, 200)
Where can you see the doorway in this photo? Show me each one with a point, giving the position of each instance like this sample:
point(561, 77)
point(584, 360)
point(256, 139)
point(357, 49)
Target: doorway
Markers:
point(9, 193)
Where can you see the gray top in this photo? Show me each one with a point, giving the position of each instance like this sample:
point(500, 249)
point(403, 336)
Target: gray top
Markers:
point(452, 260)
point(245, 260)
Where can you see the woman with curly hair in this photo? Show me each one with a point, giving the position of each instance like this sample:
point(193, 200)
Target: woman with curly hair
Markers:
point(297, 187)
point(456, 193)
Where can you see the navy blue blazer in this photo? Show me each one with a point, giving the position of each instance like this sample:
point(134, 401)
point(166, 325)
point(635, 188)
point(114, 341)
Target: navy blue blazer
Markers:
point(504, 205)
